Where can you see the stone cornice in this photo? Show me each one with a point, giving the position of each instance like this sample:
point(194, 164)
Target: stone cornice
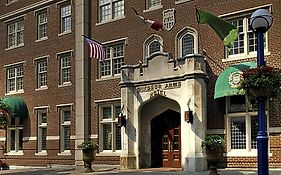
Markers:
point(26, 9)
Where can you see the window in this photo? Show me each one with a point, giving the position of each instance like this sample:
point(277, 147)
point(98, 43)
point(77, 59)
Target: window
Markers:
point(110, 132)
point(42, 73)
point(42, 25)
point(15, 135)
point(15, 33)
point(153, 3)
point(186, 42)
point(153, 47)
point(246, 43)
point(11, 1)
point(187, 45)
point(153, 44)
point(65, 120)
point(65, 17)
point(42, 130)
point(181, 1)
point(242, 127)
point(111, 9)
point(65, 68)
point(114, 59)
point(15, 79)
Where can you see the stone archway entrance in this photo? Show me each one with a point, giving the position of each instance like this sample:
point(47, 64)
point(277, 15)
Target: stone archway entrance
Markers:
point(166, 140)
point(155, 93)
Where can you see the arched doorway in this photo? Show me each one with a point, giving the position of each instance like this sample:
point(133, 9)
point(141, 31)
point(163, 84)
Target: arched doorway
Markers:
point(166, 140)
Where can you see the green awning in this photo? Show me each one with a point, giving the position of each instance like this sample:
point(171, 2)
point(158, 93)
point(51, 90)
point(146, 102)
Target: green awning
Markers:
point(228, 80)
point(17, 105)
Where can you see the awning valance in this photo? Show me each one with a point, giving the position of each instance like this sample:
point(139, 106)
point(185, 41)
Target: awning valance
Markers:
point(228, 80)
point(17, 105)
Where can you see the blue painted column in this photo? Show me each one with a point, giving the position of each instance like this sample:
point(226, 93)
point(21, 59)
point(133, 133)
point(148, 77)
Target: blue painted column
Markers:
point(262, 137)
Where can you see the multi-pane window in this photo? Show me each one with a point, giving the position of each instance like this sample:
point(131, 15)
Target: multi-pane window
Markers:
point(42, 24)
point(42, 129)
point(114, 59)
point(242, 125)
point(65, 68)
point(110, 132)
point(254, 129)
point(65, 120)
point(238, 46)
point(42, 73)
point(187, 45)
point(111, 9)
point(239, 137)
point(153, 3)
point(15, 135)
point(15, 79)
point(15, 33)
point(186, 42)
point(65, 17)
point(153, 47)
point(246, 43)
point(238, 133)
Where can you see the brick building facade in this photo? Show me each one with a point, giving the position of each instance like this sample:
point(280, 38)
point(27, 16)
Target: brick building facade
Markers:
point(164, 75)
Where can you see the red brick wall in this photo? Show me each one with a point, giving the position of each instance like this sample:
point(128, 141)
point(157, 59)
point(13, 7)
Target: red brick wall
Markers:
point(137, 33)
point(51, 97)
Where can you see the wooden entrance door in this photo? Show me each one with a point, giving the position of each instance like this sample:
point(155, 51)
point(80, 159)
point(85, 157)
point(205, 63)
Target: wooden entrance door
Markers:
point(166, 142)
point(171, 145)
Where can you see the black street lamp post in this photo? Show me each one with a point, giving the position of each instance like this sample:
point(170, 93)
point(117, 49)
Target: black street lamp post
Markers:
point(260, 22)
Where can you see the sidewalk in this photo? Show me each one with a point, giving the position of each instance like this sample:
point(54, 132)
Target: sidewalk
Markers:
point(114, 169)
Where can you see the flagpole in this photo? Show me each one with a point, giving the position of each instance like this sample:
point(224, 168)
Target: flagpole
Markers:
point(200, 38)
point(92, 39)
point(135, 10)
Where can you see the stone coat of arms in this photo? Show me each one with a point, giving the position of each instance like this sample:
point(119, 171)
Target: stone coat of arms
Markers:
point(169, 18)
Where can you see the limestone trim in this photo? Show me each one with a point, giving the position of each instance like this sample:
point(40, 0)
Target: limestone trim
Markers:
point(26, 9)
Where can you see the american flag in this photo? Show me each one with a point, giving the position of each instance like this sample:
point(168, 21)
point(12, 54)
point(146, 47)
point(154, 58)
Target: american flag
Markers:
point(95, 49)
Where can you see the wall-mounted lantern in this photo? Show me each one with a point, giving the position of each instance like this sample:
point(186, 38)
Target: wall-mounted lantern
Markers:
point(189, 116)
point(121, 120)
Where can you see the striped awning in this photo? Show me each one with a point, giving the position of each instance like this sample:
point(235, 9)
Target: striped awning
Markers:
point(17, 106)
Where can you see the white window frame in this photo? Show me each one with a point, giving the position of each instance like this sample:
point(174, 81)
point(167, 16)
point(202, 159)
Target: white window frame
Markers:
point(247, 114)
point(182, 1)
point(41, 125)
point(148, 49)
point(110, 4)
point(11, 1)
point(147, 43)
point(65, 18)
point(180, 35)
point(42, 72)
point(15, 78)
point(17, 128)
point(244, 15)
point(42, 24)
point(63, 68)
point(151, 6)
point(16, 32)
point(108, 65)
point(113, 122)
point(64, 124)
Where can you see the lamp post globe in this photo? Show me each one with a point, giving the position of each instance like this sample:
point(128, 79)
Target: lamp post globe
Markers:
point(261, 20)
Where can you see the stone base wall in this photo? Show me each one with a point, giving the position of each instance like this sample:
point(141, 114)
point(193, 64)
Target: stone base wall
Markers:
point(252, 162)
point(128, 162)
